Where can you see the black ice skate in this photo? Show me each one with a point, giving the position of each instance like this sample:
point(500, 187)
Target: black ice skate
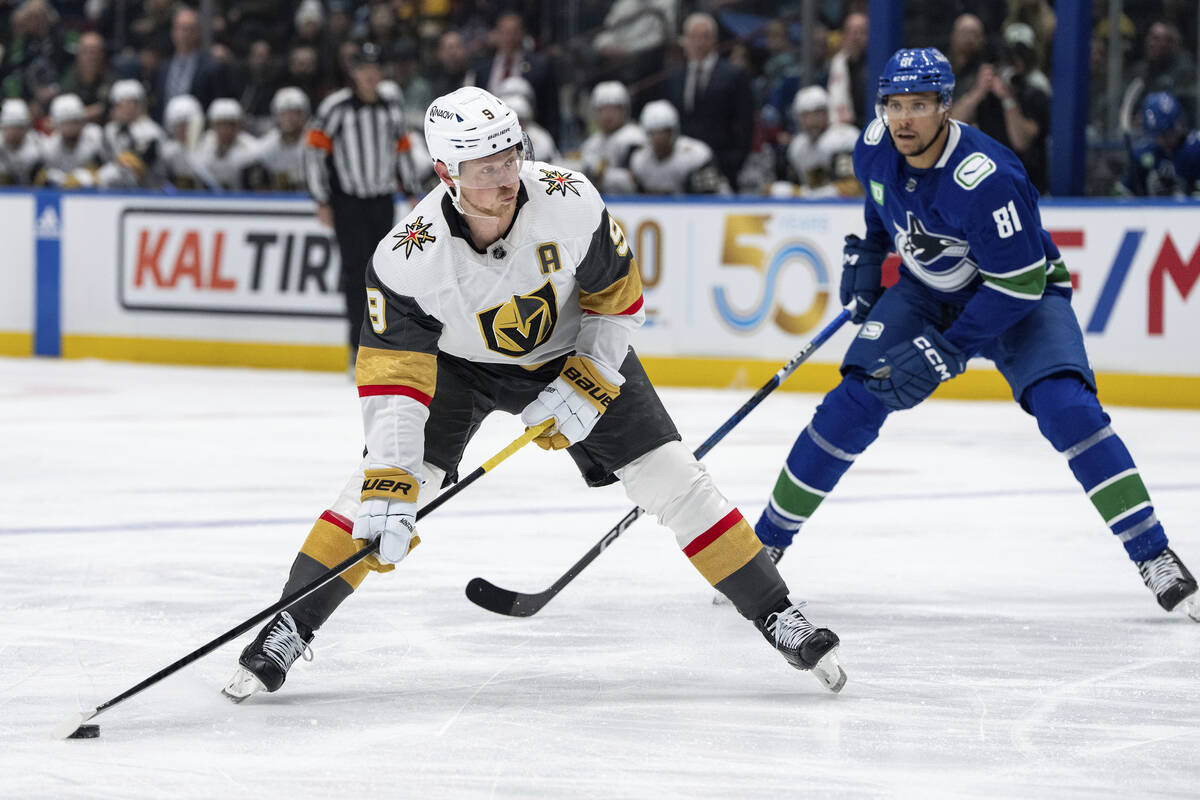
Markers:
point(264, 663)
point(804, 645)
point(1172, 584)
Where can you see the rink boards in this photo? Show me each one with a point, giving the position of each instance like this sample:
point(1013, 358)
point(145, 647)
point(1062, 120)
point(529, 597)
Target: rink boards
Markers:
point(733, 287)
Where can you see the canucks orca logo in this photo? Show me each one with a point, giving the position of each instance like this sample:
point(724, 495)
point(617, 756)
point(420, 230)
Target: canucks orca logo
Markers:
point(919, 245)
point(521, 324)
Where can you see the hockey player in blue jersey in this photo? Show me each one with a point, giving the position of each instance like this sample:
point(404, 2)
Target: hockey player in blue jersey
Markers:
point(1166, 163)
point(979, 277)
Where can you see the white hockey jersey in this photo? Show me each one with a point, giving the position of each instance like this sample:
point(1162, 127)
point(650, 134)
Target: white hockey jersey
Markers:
point(825, 169)
point(606, 157)
point(85, 152)
point(227, 168)
point(277, 165)
point(134, 153)
point(690, 169)
point(18, 166)
point(561, 279)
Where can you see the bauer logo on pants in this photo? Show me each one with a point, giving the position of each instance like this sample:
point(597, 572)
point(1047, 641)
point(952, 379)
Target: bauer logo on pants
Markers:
point(519, 326)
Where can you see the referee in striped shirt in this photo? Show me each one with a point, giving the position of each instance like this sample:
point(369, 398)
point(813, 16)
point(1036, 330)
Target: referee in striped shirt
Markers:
point(357, 150)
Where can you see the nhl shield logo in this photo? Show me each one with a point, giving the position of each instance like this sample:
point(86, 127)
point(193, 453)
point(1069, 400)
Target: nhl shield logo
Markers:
point(521, 324)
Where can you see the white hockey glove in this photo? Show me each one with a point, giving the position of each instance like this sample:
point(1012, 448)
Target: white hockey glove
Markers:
point(574, 400)
point(388, 513)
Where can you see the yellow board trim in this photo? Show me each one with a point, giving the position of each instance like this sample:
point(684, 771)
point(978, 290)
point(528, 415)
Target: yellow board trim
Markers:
point(332, 358)
point(1116, 388)
point(13, 343)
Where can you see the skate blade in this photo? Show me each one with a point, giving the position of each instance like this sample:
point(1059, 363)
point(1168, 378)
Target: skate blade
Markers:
point(829, 672)
point(243, 685)
point(1190, 606)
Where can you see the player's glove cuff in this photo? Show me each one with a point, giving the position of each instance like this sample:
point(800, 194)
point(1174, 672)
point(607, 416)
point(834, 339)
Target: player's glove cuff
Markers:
point(391, 483)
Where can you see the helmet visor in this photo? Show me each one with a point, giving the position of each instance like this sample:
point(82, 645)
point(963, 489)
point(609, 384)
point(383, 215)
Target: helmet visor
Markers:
point(896, 107)
point(494, 171)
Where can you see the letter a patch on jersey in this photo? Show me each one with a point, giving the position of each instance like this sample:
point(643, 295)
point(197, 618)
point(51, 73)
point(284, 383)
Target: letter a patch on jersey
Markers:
point(523, 323)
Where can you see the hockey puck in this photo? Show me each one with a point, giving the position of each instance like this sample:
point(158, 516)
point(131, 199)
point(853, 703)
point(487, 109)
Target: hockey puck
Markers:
point(86, 732)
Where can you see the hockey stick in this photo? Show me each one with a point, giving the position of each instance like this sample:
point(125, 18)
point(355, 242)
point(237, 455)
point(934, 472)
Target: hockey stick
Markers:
point(488, 595)
point(72, 726)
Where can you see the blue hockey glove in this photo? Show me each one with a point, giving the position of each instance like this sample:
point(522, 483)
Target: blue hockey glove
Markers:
point(862, 276)
point(910, 371)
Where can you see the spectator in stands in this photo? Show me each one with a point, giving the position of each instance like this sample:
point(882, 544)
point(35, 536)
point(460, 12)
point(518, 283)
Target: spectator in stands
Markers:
point(90, 77)
point(152, 30)
point(226, 151)
point(1011, 102)
point(512, 58)
point(821, 156)
point(672, 163)
point(303, 72)
point(184, 120)
point(968, 52)
point(1166, 162)
point(606, 153)
point(133, 143)
point(406, 72)
point(36, 54)
point(74, 151)
point(259, 82)
point(1165, 68)
point(189, 70)
point(633, 38)
point(713, 97)
point(279, 162)
point(1040, 18)
point(21, 147)
point(451, 70)
point(847, 74)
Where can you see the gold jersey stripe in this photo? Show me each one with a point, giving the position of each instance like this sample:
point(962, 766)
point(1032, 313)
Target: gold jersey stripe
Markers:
point(618, 297)
point(724, 556)
point(330, 545)
point(378, 367)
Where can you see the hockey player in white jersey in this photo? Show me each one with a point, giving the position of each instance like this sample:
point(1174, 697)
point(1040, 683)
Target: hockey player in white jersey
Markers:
point(672, 163)
point(821, 155)
point(226, 151)
point(21, 147)
point(184, 118)
point(75, 150)
point(133, 143)
point(606, 153)
point(278, 164)
point(510, 288)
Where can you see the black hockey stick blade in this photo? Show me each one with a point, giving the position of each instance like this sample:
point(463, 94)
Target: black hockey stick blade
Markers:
point(488, 595)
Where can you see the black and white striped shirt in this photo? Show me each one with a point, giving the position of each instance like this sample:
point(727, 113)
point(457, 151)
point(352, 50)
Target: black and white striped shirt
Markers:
point(355, 148)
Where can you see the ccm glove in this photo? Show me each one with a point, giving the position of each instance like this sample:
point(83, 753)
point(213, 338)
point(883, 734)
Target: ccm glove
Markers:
point(388, 513)
point(910, 371)
point(574, 400)
point(862, 276)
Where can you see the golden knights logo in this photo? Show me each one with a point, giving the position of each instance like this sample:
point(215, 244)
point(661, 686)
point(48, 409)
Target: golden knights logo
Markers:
point(415, 235)
point(557, 181)
point(518, 326)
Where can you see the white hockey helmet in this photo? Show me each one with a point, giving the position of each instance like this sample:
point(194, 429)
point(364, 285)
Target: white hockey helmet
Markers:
point(518, 104)
point(659, 115)
point(224, 109)
point(610, 93)
point(810, 98)
point(517, 85)
point(66, 108)
point(290, 98)
point(182, 108)
point(127, 89)
point(470, 123)
point(15, 114)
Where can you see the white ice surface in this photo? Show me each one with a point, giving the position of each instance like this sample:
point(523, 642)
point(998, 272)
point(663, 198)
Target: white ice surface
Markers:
point(998, 641)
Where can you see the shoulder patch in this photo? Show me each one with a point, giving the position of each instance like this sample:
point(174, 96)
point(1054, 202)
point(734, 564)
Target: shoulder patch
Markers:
point(559, 181)
point(874, 133)
point(973, 169)
point(415, 234)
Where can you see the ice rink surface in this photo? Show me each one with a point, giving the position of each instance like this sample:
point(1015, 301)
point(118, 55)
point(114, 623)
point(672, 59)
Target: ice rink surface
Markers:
point(997, 640)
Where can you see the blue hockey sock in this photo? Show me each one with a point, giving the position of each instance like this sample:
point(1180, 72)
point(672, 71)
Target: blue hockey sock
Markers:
point(846, 422)
point(1070, 416)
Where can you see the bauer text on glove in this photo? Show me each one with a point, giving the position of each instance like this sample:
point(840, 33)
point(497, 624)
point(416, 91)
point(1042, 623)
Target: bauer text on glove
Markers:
point(389, 512)
point(574, 400)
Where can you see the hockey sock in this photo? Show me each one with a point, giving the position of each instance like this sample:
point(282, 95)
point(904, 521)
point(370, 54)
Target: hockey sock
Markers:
point(844, 425)
point(327, 545)
point(1070, 417)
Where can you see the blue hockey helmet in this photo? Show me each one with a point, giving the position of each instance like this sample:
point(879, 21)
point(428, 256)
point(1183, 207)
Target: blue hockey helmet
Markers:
point(914, 70)
point(1160, 113)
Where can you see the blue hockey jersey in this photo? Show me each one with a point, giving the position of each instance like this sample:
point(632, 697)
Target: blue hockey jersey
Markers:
point(1156, 173)
point(967, 228)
